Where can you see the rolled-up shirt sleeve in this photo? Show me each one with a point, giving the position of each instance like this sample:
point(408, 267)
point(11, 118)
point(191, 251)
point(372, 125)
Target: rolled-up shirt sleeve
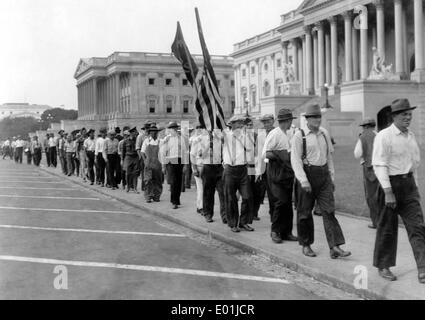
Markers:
point(380, 161)
point(296, 161)
point(358, 150)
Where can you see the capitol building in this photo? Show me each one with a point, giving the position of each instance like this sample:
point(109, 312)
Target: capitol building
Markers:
point(356, 56)
point(17, 110)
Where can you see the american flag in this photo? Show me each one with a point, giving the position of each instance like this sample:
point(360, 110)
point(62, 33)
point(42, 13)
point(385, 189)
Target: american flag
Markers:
point(208, 104)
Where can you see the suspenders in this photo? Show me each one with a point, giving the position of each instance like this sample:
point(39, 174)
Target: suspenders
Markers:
point(304, 155)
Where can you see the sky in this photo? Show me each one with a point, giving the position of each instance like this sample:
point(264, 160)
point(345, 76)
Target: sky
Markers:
point(42, 41)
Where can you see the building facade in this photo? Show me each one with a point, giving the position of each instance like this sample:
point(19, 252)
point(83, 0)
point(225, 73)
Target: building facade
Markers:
point(358, 55)
point(15, 110)
point(131, 88)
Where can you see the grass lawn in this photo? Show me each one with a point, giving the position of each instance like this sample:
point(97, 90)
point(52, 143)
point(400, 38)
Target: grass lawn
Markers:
point(349, 193)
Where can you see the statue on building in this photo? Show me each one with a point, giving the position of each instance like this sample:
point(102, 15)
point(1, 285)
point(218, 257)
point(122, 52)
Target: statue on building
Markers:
point(379, 70)
point(288, 72)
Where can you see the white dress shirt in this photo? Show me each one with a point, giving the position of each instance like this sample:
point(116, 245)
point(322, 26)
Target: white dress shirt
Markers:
point(319, 152)
point(394, 153)
point(149, 142)
point(90, 144)
point(237, 148)
point(100, 145)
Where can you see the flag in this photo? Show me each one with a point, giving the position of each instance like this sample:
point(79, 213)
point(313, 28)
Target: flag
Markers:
point(181, 52)
point(210, 103)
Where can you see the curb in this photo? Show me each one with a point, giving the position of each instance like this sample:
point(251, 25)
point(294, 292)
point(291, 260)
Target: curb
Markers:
point(284, 261)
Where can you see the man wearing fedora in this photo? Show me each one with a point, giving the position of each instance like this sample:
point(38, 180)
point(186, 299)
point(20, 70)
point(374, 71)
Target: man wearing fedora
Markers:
point(171, 154)
point(395, 159)
point(280, 178)
point(363, 151)
point(131, 160)
point(235, 151)
point(311, 159)
point(153, 170)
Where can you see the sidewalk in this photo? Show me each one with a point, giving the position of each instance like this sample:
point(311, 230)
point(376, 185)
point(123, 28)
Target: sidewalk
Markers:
point(339, 273)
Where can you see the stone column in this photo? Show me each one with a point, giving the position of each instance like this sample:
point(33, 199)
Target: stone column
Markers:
point(334, 50)
point(237, 86)
point(355, 49)
point(321, 54)
point(118, 93)
point(380, 26)
point(315, 59)
point(398, 20)
point(364, 52)
point(309, 61)
point(95, 104)
point(304, 68)
point(348, 46)
point(419, 73)
point(328, 79)
point(300, 66)
point(285, 52)
point(294, 43)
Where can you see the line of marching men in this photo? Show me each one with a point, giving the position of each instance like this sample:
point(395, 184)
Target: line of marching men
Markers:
point(294, 166)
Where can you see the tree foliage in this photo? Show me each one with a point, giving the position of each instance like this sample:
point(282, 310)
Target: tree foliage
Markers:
point(10, 127)
point(55, 115)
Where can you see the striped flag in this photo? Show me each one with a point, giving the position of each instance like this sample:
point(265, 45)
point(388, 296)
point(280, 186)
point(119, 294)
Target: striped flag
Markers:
point(210, 106)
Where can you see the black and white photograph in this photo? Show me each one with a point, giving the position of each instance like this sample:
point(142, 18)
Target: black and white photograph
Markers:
point(212, 154)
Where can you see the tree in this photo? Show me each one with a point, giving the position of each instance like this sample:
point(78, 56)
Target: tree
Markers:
point(10, 127)
point(55, 115)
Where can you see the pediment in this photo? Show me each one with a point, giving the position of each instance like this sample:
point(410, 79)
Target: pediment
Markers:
point(311, 3)
point(82, 66)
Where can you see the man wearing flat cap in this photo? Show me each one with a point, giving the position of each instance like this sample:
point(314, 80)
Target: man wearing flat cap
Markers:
point(280, 178)
point(236, 150)
point(311, 160)
point(395, 159)
point(363, 151)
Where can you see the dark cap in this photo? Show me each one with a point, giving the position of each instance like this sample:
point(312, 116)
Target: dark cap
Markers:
point(153, 128)
point(285, 114)
point(172, 125)
point(133, 130)
point(400, 105)
point(117, 130)
point(368, 122)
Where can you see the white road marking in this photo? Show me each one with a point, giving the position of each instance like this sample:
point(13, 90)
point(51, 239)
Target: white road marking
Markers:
point(191, 272)
point(26, 181)
point(25, 177)
point(43, 197)
point(31, 188)
point(6, 226)
point(68, 210)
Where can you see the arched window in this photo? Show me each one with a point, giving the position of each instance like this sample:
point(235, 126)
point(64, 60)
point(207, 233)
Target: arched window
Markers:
point(244, 96)
point(253, 95)
point(279, 87)
point(266, 67)
point(266, 88)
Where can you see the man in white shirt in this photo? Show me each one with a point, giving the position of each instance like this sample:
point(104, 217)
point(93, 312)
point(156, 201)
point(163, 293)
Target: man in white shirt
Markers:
point(395, 159)
point(311, 160)
point(53, 150)
point(363, 151)
point(99, 160)
point(6, 148)
point(236, 149)
point(280, 178)
point(90, 147)
point(19, 149)
point(197, 166)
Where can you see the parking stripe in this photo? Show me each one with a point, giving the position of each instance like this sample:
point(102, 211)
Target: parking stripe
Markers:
point(191, 272)
point(68, 210)
point(44, 197)
point(6, 226)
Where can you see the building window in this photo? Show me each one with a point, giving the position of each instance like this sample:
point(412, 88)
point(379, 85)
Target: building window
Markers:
point(233, 106)
point(244, 73)
point(252, 70)
point(168, 82)
point(232, 83)
point(152, 104)
point(186, 106)
point(151, 81)
point(169, 106)
point(185, 82)
point(279, 63)
point(279, 87)
point(266, 67)
point(266, 89)
point(253, 96)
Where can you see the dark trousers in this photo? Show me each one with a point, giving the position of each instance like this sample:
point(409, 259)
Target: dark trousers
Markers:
point(76, 166)
point(236, 178)
point(371, 187)
point(270, 197)
point(175, 174)
point(212, 180)
point(90, 165)
point(409, 209)
point(63, 162)
point(322, 192)
point(283, 215)
point(53, 156)
point(69, 162)
point(113, 169)
point(101, 165)
point(37, 156)
point(18, 157)
point(47, 152)
point(258, 192)
point(29, 157)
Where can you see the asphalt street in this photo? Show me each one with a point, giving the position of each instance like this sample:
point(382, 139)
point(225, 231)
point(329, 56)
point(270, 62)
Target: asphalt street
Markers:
point(61, 241)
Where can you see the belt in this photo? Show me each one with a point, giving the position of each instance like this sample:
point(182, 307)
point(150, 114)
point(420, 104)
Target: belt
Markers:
point(403, 176)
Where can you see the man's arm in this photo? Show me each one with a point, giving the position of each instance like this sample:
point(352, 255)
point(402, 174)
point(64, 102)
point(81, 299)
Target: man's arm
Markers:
point(296, 161)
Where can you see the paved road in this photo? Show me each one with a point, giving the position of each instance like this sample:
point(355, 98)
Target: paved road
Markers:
point(60, 241)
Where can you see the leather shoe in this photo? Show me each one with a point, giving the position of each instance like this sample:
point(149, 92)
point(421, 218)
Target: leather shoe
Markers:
point(421, 277)
point(307, 251)
point(208, 219)
point(371, 226)
point(338, 252)
point(246, 227)
point(276, 238)
point(387, 274)
point(175, 206)
point(290, 237)
point(235, 229)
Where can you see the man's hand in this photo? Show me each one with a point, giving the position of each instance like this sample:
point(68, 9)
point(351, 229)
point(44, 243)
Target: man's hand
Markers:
point(306, 186)
point(390, 200)
point(258, 177)
point(195, 171)
point(164, 170)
